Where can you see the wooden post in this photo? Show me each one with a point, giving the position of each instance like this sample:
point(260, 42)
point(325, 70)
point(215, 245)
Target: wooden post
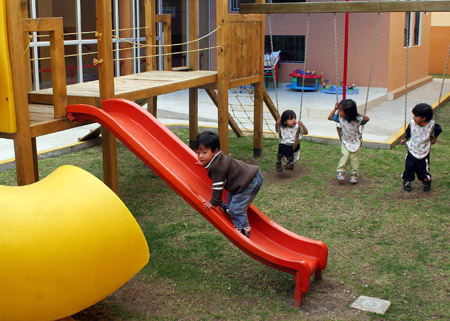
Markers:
point(125, 23)
point(222, 75)
point(106, 79)
point(54, 26)
point(193, 63)
point(23, 147)
point(150, 36)
point(259, 94)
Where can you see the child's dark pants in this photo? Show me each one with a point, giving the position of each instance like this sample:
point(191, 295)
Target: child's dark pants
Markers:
point(419, 167)
point(288, 151)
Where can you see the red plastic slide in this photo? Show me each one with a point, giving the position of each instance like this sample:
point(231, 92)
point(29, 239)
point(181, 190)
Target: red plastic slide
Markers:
point(173, 161)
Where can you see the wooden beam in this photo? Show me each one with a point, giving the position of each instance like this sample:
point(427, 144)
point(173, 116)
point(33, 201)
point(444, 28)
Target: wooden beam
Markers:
point(350, 6)
point(193, 116)
point(222, 74)
point(166, 20)
point(270, 105)
point(193, 33)
point(106, 80)
point(54, 26)
point(22, 138)
point(259, 94)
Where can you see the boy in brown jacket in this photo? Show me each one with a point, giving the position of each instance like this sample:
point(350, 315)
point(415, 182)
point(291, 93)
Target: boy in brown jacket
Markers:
point(242, 181)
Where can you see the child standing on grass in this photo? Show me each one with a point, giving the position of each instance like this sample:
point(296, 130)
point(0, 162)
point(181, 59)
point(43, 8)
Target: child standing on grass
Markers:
point(346, 114)
point(421, 133)
point(290, 132)
point(242, 181)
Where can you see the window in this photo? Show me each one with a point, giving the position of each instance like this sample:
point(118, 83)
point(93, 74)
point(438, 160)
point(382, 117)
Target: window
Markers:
point(292, 47)
point(235, 3)
point(417, 28)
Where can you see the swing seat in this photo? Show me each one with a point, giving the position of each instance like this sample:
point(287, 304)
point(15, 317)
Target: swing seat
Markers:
point(271, 65)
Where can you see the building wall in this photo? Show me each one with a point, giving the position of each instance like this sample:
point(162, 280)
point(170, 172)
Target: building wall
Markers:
point(439, 41)
point(417, 55)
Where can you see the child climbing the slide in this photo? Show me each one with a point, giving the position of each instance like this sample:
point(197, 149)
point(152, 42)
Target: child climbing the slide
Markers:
point(421, 133)
point(290, 132)
point(346, 114)
point(242, 181)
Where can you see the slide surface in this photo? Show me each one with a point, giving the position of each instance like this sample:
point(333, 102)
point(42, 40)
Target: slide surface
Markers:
point(173, 161)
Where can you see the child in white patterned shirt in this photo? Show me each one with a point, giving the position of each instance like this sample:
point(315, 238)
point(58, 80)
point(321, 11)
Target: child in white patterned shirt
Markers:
point(289, 130)
point(349, 119)
point(420, 134)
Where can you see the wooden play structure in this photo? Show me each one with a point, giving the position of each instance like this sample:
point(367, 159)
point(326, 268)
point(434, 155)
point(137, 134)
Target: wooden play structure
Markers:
point(36, 113)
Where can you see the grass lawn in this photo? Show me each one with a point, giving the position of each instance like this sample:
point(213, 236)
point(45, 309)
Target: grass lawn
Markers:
point(383, 242)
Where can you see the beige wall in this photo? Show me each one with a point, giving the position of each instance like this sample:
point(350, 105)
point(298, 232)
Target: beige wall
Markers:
point(439, 41)
point(417, 55)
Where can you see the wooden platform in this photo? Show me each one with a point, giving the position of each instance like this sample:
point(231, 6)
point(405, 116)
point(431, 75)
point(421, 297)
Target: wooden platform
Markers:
point(131, 87)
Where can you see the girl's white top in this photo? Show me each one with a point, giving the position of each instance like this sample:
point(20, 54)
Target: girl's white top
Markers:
point(287, 134)
point(419, 144)
point(351, 137)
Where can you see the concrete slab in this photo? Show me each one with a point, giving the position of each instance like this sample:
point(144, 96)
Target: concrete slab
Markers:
point(369, 304)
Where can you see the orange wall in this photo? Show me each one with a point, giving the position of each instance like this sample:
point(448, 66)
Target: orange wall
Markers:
point(417, 55)
point(439, 46)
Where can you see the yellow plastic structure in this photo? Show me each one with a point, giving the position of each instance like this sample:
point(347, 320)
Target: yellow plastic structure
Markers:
point(66, 243)
point(7, 111)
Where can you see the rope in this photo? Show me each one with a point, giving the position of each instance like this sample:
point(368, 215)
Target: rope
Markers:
point(127, 29)
point(169, 45)
point(66, 56)
point(167, 54)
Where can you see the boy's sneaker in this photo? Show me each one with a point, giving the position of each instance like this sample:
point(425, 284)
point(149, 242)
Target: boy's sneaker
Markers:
point(245, 231)
point(353, 179)
point(225, 208)
point(426, 186)
point(407, 186)
point(341, 176)
point(290, 166)
point(279, 167)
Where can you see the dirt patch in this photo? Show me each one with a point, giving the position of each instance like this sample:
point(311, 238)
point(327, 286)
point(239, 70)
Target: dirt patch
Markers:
point(285, 175)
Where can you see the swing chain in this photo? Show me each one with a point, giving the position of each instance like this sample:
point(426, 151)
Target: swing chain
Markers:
point(406, 64)
point(372, 59)
point(336, 58)
point(304, 67)
point(442, 84)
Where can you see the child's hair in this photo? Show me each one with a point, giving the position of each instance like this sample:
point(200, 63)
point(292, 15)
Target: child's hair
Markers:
point(207, 139)
point(286, 115)
point(423, 110)
point(348, 106)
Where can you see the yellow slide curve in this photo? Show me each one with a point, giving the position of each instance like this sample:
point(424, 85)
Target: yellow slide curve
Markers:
point(66, 243)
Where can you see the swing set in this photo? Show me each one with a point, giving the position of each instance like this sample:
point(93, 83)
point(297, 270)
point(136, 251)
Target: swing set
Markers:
point(354, 7)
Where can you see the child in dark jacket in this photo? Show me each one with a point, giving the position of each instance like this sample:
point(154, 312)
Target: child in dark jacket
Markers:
point(242, 181)
point(421, 133)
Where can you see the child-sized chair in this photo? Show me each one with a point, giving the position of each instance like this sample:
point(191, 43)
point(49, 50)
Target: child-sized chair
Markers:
point(271, 65)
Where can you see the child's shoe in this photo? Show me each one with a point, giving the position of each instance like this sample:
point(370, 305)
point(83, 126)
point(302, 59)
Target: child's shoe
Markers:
point(279, 167)
point(353, 179)
point(290, 166)
point(426, 186)
point(341, 176)
point(245, 231)
point(407, 186)
point(225, 208)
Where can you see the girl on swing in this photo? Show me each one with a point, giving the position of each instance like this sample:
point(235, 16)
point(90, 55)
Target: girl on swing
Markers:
point(289, 130)
point(346, 114)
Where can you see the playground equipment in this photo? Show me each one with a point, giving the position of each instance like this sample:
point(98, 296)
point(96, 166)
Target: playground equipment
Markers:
point(173, 161)
point(67, 242)
point(7, 115)
point(302, 80)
